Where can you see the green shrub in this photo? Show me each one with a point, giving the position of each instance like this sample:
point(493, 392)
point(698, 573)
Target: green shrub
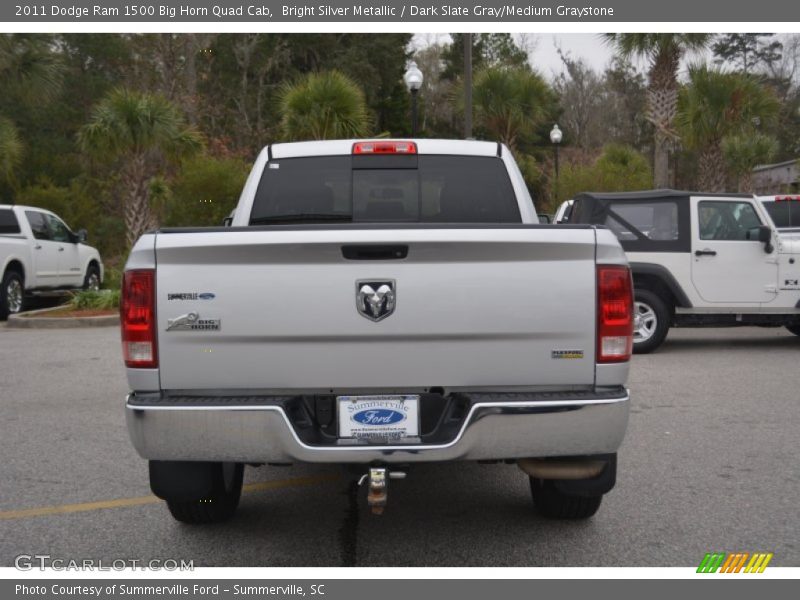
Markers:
point(204, 192)
point(112, 279)
point(618, 169)
point(91, 300)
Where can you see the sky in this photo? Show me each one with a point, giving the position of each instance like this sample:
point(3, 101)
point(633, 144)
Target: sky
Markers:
point(587, 46)
point(544, 56)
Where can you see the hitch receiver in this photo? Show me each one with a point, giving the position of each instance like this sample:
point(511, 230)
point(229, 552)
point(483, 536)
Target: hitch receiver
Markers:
point(378, 491)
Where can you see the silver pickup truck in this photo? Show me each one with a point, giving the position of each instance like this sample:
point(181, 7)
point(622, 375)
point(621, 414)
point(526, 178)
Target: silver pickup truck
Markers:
point(378, 304)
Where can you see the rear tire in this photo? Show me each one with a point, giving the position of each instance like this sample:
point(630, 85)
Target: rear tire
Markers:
point(12, 295)
point(220, 505)
point(795, 329)
point(651, 321)
point(553, 504)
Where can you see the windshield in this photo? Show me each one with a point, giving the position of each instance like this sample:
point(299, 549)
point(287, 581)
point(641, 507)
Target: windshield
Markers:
point(422, 189)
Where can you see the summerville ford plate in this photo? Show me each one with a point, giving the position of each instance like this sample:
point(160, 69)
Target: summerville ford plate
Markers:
point(393, 417)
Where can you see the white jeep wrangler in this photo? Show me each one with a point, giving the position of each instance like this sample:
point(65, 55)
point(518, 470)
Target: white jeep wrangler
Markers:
point(699, 260)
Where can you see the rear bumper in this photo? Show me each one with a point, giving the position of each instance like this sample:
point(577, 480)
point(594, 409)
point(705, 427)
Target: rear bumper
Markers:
point(495, 426)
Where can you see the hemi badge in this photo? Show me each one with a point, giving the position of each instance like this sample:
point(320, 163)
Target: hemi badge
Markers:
point(566, 354)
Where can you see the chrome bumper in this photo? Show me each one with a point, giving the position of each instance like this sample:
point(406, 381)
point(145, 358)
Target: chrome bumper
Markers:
point(498, 426)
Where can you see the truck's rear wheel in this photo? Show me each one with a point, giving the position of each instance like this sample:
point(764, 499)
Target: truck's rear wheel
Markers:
point(12, 294)
point(651, 321)
point(220, 504)
point(554, 504)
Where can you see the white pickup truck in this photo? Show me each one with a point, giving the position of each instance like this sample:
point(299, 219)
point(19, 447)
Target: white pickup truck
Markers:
point(39, 253)
point(378, 304)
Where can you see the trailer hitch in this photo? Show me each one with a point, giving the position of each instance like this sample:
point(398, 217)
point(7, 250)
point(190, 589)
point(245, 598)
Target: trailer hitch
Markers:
point(378, 490)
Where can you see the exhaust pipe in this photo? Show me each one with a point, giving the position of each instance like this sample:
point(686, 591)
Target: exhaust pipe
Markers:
point(561, 469)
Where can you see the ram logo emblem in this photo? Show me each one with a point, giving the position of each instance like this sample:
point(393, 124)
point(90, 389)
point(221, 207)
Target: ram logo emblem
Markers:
point(375, 300)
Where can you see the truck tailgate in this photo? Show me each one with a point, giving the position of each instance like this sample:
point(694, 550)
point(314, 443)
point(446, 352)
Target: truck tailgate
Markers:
point(475, 307)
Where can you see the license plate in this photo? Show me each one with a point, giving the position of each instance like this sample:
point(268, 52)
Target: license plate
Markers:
point(378, 417)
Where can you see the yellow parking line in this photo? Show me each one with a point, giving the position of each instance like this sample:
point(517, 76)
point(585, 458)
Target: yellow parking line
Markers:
point(71, 508)
point(126, 502)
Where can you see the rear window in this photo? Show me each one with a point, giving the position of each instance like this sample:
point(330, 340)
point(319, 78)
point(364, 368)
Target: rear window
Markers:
point(8, 222)
point(416, 189)
point(655, 221)
point(784, 213)
point(652, 223)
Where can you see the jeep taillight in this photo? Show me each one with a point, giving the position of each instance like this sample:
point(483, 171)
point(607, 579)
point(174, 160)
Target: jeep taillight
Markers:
point(614, 313)
point(138, 319)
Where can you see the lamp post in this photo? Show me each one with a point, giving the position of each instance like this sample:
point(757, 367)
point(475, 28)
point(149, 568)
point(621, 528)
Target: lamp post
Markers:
point(413, 80)
point(556, 135)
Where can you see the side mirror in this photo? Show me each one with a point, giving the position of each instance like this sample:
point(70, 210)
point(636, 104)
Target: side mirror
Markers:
point(83, 235)
point(227, 221)
point(765, 237)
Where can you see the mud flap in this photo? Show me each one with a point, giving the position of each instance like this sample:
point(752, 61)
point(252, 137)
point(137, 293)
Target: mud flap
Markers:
point(183, 481)
point(596, 486)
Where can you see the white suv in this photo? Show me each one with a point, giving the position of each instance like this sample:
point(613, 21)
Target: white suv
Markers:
point(38, 252)
point(699, 260)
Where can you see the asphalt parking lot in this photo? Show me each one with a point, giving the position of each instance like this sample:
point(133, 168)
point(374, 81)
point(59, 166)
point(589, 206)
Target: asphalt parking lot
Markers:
point(709, 464)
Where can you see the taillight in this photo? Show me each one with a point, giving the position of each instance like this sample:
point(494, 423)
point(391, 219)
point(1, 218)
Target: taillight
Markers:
point(138, 319)
point(384, 148)
point(614, 313)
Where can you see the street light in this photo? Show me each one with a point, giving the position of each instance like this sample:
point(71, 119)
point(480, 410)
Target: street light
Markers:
point(556, 136)
point(413, 80)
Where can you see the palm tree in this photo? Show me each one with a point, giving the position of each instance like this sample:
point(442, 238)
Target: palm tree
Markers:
point(717, 104)
point(664, 52)
point(31, 72)
point(139, 131)
point(10, 149)
point(745, 151)
point(510, 103)
point(29, 68)
point(324, 106)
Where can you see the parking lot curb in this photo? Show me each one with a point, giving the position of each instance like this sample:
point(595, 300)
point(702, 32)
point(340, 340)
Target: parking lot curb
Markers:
point(28, 321)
